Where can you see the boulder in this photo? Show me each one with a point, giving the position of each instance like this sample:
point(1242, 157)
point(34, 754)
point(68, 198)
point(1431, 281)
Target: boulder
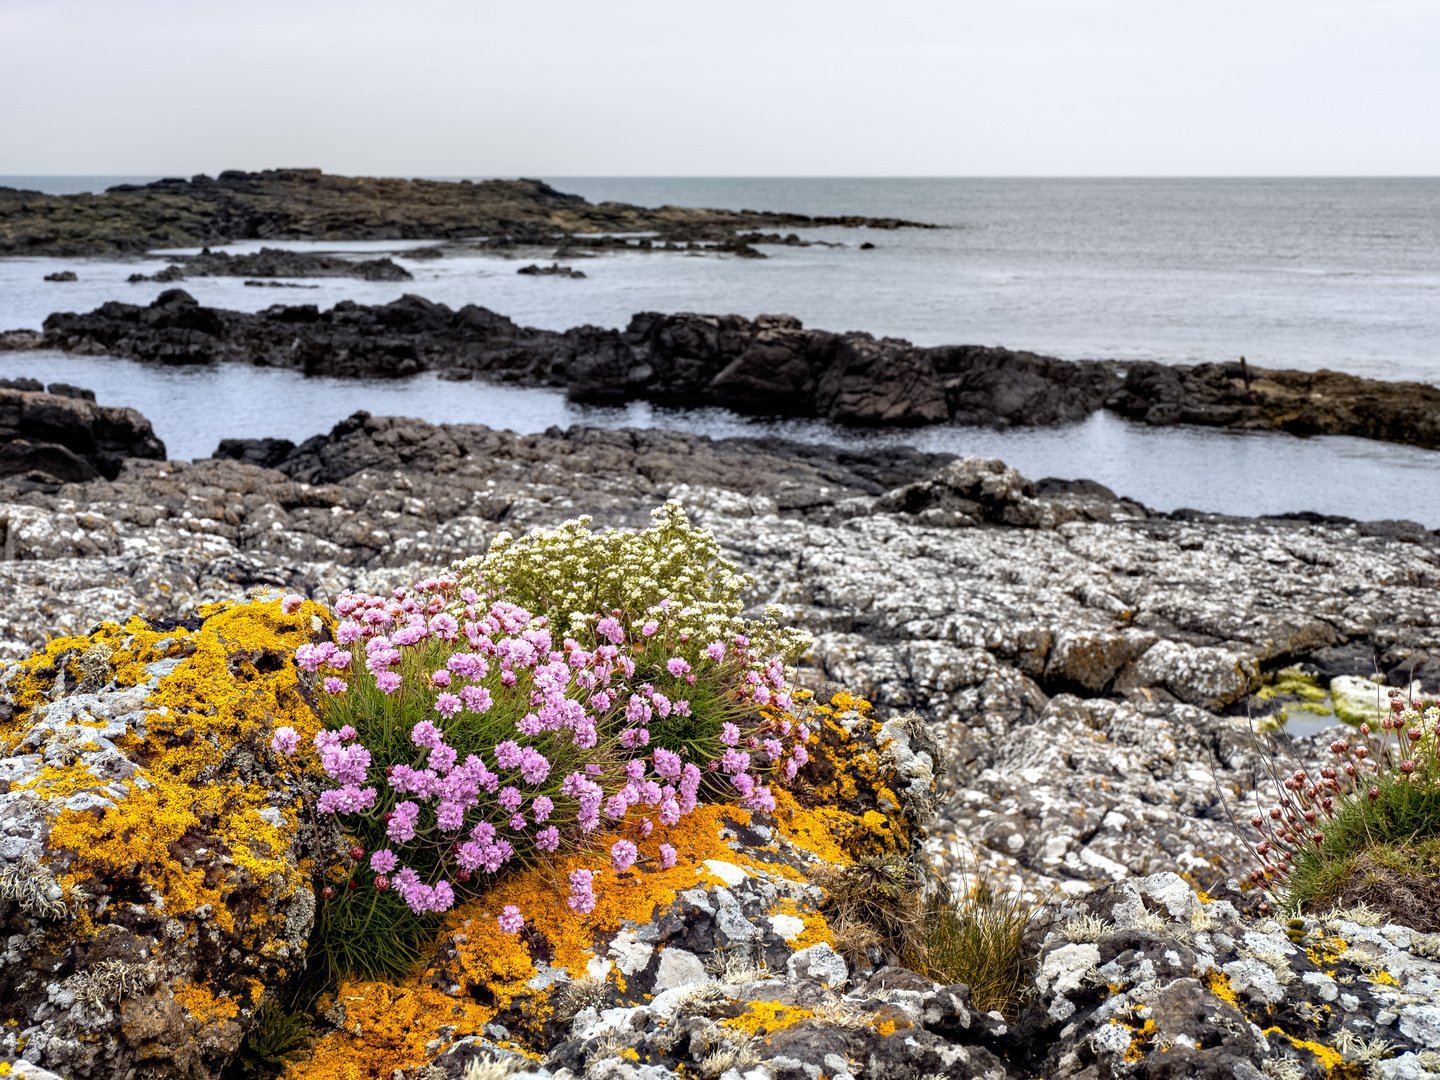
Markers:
point(153, 883)
point(65, 437)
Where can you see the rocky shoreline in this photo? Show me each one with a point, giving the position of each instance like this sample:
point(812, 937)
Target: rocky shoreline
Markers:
point(306, 204)
point(1052, 634)
point(1081, 667)
point(769, 366)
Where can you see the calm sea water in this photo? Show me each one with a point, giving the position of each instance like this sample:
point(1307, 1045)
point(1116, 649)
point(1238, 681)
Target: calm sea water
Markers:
point(1295, 273)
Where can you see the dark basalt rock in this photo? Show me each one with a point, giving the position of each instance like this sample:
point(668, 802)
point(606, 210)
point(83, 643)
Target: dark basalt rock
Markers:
point(553, 270)
point(275, 263)
point(769, 365)
point(64, 437)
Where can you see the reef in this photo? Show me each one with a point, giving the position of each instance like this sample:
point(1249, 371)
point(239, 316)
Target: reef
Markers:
point(770, 365)
point(306, 204)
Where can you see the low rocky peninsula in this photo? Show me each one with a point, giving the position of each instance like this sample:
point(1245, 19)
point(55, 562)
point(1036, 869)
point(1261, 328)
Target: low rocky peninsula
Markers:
point(763, 366)
point(1060, 679)
point(306, 204)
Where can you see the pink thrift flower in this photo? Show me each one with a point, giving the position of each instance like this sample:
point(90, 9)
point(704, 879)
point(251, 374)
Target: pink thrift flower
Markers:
point(534, 766)
point(383, 861)
point(285, 741)
point(622, 855)
point(476, 698)
point(667, 856)
point(507, 754)
point(677, 667)
point(511, 921)
point(442, 897)
point(402, 822)
point(291, 604)
point(582, 891)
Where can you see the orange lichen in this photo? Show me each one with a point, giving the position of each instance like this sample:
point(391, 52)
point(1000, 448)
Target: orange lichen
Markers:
point(1220, 986)
point(215, 700)
point(763, 1017)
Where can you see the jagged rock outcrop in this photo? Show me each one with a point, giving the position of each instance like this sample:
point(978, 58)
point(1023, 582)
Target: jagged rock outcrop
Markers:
point(306, 204)
point(770, 365)
point(64, 437)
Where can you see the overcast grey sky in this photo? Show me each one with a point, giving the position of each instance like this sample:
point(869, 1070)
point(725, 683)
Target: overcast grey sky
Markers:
point(740, 87)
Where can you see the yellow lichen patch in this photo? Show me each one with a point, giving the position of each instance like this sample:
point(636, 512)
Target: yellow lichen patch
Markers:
point(763, 1017)
point(1335, 1066)
point(203, 1006)
point(190, 832)
point(1140, 1041)
point(816, 930)
point(1220, 986)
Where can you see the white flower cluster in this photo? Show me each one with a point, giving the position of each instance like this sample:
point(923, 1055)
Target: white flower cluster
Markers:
point(570, 572)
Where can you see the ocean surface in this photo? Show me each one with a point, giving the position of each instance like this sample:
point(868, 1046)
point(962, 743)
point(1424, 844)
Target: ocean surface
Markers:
point(1289, 273)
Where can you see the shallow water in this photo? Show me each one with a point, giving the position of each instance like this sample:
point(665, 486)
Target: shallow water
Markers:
point(1290, 273)
point(1165, 468)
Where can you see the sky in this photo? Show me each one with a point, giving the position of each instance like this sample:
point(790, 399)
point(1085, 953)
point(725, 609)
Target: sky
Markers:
point(733, 88)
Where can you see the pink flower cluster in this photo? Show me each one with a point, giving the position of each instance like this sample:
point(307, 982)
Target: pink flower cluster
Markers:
point(577, 757)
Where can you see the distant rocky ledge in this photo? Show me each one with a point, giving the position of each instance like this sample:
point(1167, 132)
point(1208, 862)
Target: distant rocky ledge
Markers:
point(274, 263)
point(769, 366)
point(306, 204)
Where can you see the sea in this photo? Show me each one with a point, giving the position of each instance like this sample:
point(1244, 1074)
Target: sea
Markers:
point(1297, 273)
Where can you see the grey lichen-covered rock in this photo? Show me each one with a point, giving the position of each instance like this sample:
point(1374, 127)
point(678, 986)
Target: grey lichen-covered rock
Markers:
point(1126, 637)
point(152, 892)
point(1148, 978)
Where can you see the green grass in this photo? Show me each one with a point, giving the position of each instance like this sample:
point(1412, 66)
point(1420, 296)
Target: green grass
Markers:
point(1405, 818)
point(979, 940)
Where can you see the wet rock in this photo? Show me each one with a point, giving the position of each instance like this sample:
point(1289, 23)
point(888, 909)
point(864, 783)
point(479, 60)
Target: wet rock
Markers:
point(275, 263)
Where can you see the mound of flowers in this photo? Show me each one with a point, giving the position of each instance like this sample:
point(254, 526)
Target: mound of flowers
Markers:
point(1363, 828)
